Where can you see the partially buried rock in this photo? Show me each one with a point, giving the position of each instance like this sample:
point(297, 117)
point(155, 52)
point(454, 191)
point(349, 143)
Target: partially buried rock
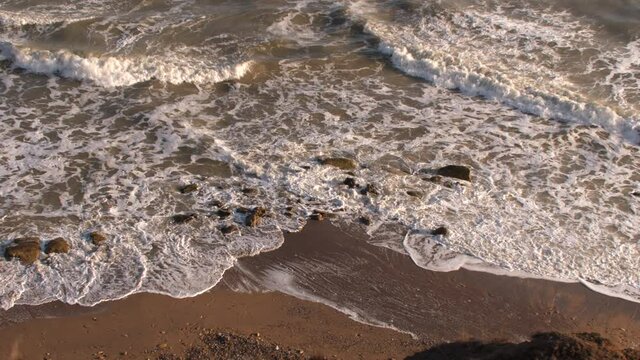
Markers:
point(440, 231)
point(27, 250)
point(415, 193)
point(365, 220)
point(184, 218)
point(341, 163)
point(189, 188)
point(255, 217)
point(229, 229)
point(350, 182)
point(455, 171)
point(369, 189)
point(223, 213)
point(57, 246)
point(97, 238)
point(317, 216)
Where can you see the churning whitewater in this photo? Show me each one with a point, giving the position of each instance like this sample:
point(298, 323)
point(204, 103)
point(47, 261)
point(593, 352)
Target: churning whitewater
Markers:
point(193, 133)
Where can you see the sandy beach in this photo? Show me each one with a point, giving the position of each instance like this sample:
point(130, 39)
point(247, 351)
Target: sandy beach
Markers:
point(460, 306)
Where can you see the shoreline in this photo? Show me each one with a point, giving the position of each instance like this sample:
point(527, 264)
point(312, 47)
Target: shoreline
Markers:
point(287, 293)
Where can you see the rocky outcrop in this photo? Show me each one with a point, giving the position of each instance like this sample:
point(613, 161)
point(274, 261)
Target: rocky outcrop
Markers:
point(339, 162)
point(57, 246)
point(455, 171)
point(97, 238)
point(254, 218)
point(27, 250)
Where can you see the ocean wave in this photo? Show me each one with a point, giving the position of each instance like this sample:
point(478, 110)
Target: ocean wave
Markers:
point(119, 71)
point(471, 52)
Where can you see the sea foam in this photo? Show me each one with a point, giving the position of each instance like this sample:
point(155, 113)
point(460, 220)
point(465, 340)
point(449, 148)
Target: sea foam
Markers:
point(118, 71)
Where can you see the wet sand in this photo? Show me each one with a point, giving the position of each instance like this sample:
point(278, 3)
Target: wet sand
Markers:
point(322, 263)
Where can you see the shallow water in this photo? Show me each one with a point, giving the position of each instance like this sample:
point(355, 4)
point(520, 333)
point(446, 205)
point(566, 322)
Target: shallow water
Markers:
point(109, 107)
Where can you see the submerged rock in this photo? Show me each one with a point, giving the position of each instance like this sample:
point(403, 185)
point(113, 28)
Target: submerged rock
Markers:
point(350, 182)
point(189, 188)
point(57, 246)
point(440, 231)
point(369, 189)
point(97, 238)
point(255, 217)
point(184, 218)
point(455, 171)
point(228, 229)
point(341, 163)
point(224, 213)
point(318, 215)
point(27, 250)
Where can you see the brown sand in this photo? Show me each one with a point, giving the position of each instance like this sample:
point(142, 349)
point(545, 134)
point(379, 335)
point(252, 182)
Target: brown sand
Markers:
point(323, 263)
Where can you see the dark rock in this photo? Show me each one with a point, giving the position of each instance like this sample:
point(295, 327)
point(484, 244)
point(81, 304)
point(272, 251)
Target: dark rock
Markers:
point(57, 246)
point(189, 188)
point(316, 217)
point(636, 194)
point(455, 171)
point(184, 218)
point(26, 249)
point(255, 217)
point(369, 189)
point(217, 203)
point(341, 163)
point(550, 345)
point(97, 238)
point(435, 179)
point(350, 182)
point(223, 213)
point(415, 193)
point(249, 191)
point(365, 220)
point(440, 231)
point(229, 229)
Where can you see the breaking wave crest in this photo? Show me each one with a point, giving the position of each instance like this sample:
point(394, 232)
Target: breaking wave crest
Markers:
point(118, 71)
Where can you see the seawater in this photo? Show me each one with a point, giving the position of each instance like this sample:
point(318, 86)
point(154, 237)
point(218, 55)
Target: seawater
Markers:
point(107, 108)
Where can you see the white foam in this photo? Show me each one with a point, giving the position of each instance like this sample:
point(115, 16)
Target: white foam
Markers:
point(446, 53)
point(118, 71)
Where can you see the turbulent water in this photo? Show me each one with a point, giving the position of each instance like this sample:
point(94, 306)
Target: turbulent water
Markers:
point(109, 107)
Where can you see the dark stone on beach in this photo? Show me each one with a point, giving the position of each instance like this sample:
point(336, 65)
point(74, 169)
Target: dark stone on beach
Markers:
point(223, 213)
point(440, 231)
point(57, 246)
point(189, 188)
point(341, 163)
point(636, 194)
point(255, 217)
point(369, 189)
point(217, 203)
point(365, 220)
point(350, 182)
point(26, 249)
point(455, 171)
point(184, 218)
point(318, 215)
point(97, 238)
point(415, 193)
point(229, 229)
point(551, 345)
point(249, 191)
